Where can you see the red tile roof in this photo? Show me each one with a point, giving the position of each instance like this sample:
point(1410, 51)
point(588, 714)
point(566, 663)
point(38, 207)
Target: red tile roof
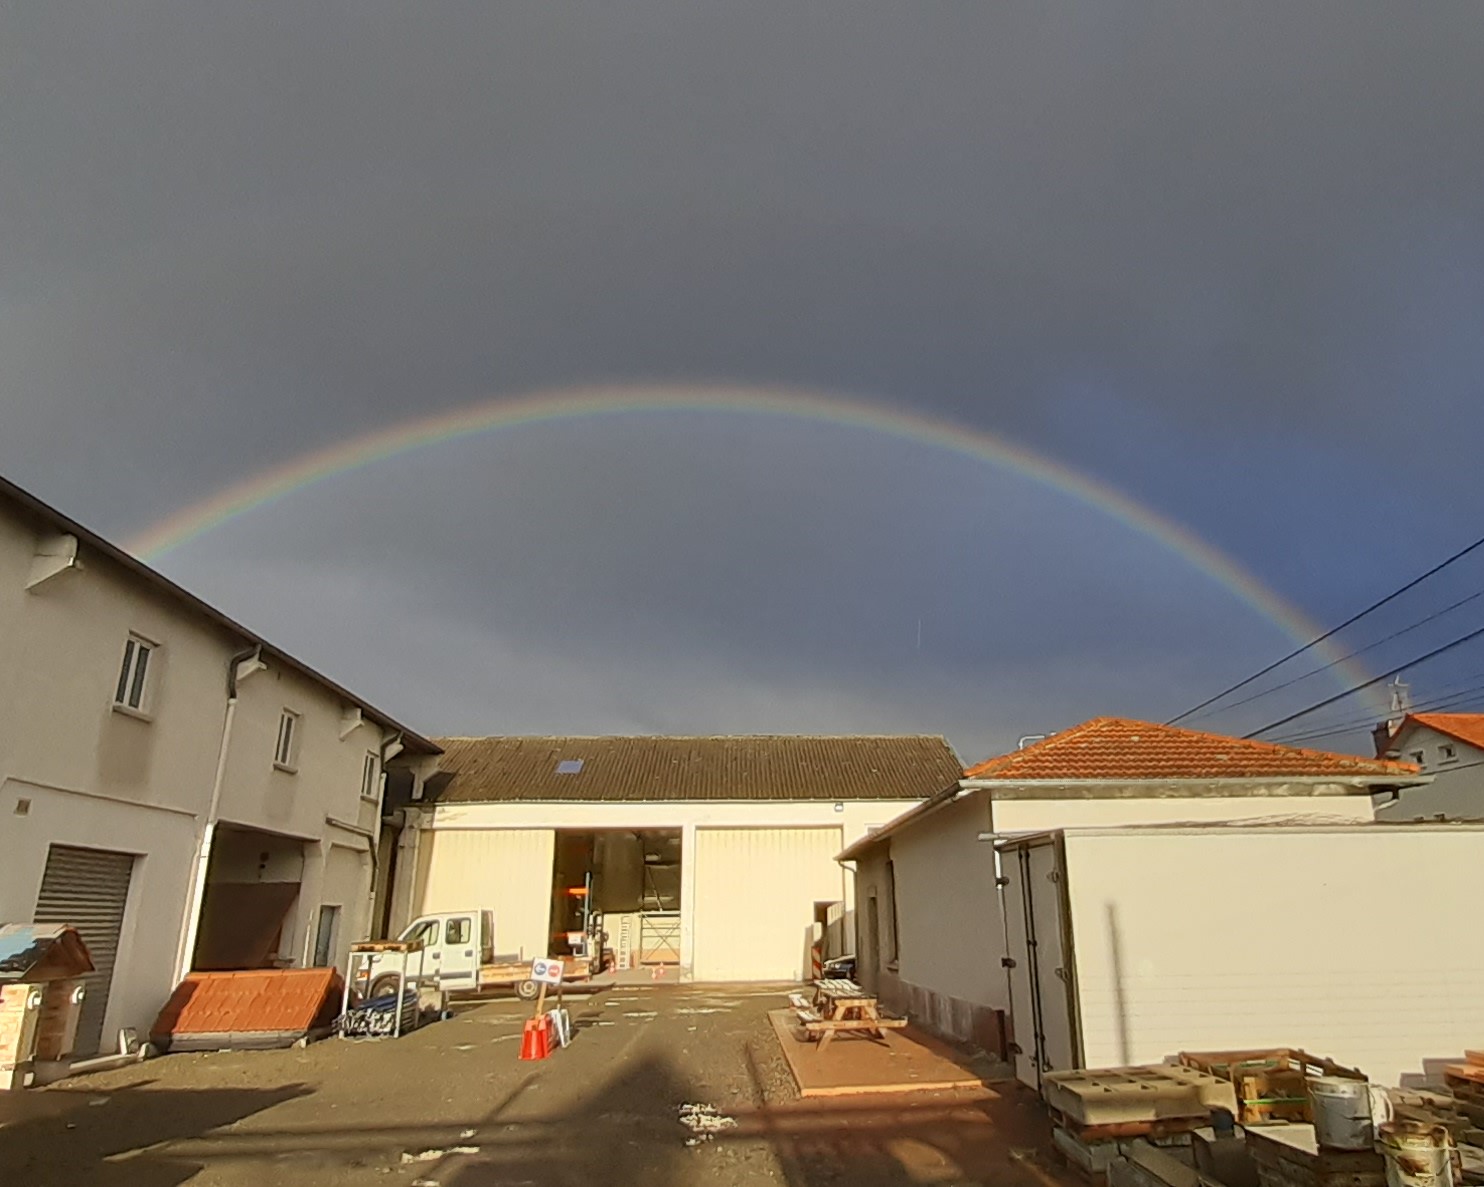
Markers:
point(262, 1001)
point(1120, 749)
point(1466, 727)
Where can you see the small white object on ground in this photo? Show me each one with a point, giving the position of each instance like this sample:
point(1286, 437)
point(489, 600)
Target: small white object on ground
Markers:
point(704, 1121)
point(431, 1155)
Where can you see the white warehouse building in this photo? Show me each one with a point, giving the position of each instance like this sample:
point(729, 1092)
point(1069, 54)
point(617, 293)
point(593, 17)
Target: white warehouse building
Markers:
point(713, 857)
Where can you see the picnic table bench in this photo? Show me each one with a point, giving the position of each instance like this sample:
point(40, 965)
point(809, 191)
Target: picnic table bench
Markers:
point(840, 1005)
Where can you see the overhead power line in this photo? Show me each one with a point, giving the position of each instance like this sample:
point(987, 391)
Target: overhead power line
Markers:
point(1334, 663)
point(1351, 621)
point(1387, 675)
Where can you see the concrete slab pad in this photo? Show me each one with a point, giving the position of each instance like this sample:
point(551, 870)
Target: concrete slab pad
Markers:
point(904, 1061)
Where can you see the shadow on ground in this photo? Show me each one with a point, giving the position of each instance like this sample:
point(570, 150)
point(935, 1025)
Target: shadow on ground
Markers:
point(42, 1141)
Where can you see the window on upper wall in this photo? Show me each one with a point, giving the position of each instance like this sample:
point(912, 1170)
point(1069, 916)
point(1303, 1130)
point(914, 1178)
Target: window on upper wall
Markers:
point(135, 683)
point(286, 753)
point(1447, 754)
point(1419, 758)
point(891, 913)
point(370, 789)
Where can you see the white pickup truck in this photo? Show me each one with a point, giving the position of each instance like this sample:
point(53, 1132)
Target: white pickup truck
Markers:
point(458, 949)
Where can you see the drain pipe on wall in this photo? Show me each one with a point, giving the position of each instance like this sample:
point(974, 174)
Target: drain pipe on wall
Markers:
point(239, 668)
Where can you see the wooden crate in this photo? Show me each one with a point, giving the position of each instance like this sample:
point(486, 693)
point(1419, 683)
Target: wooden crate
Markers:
point(1271, 1084)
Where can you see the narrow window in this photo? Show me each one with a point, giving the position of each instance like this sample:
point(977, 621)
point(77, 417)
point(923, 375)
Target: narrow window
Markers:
point(891, 912)
point(288, 728)
point(1419, 758)
point(1448, 753)
point(368, 777)
point(133, 687)
point(324, 939)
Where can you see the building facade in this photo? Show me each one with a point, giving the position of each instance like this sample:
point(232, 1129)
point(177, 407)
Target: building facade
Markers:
point(184, 793)
point(933, 913)
point(714, 857)
point(1450, 748)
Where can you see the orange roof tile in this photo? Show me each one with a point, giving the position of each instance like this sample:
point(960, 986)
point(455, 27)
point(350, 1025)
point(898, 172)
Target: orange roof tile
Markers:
point(261, 1001)
point(1466, 727)
point(1119, 749)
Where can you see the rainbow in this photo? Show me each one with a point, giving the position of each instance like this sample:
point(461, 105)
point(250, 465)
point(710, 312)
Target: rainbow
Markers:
point(280, 481)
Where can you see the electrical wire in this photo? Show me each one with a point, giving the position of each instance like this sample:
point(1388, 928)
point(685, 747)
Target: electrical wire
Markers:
point(1374, 680)
point(1433, 617)
point(1354, 618)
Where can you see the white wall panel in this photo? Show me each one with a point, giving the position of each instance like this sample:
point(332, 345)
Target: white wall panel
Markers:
point(1357, 943)
point(755, 890)
point(508, 871)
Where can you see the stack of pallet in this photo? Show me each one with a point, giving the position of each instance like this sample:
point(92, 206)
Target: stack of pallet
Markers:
point(1099, 1114)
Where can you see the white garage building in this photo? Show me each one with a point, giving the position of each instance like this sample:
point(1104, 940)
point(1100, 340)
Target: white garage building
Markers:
point(714, 856)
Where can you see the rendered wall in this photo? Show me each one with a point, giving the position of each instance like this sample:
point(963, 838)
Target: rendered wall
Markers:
point(1351, 943)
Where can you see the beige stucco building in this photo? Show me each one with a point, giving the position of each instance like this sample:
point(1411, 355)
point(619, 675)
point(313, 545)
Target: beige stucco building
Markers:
point(185, 793)
point(711, 856)
point(932, 892)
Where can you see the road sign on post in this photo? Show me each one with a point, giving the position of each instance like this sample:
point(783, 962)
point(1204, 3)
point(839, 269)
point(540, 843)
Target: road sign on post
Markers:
point(546, 972)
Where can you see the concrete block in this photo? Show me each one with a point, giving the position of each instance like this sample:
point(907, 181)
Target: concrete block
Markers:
point(1112, 1096)
point(1092, 1157)
point(1225, 1159)
point(1152, 1167)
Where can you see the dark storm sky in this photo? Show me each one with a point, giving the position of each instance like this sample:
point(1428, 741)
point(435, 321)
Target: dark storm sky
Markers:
point(1227, 258)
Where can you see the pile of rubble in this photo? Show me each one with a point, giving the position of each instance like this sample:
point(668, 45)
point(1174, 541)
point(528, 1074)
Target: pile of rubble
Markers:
point(1247, 1119)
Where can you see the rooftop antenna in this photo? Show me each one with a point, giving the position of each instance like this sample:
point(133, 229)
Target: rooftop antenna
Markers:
point(1401, 703)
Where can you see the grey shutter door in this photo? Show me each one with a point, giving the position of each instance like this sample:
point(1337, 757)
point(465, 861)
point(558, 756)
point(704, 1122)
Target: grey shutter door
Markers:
point(88, 889)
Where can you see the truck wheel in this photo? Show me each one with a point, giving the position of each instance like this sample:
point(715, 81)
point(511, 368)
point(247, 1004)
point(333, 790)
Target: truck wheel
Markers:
point(384, 986)
point(527, 991)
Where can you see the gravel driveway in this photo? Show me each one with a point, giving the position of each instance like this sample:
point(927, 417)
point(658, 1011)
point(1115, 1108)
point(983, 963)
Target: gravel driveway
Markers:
point(452, 1105)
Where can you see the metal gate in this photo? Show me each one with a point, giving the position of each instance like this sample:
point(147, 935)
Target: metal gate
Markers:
point(88, 889)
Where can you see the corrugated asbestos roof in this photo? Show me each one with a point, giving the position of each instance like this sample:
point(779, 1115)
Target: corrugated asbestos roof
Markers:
point(1121, 749)
point(766, 767)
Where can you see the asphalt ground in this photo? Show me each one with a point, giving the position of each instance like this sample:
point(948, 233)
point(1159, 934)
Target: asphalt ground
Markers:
point(451, 1104)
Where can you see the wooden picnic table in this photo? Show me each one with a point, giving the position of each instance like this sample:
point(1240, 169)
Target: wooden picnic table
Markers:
point(841, 1005)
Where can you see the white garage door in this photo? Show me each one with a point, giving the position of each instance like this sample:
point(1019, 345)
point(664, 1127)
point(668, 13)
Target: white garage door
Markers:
point(755, 895)
point(504, 870)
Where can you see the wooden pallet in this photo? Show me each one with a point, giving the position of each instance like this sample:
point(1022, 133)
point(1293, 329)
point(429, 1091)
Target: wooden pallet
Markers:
point(1271, 1085)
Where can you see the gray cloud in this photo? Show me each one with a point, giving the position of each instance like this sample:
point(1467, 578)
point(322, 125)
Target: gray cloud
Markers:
point(1229, 259)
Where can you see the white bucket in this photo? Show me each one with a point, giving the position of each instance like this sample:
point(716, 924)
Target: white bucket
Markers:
point(1417, 1154)
point(1345, 1112)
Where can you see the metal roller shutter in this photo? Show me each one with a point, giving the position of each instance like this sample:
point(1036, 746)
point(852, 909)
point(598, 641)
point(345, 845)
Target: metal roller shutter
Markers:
point(88, 889)
point(755, 895)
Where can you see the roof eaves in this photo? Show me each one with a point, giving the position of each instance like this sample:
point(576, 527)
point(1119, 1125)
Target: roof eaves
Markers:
point(906, 820)
point(411, 739)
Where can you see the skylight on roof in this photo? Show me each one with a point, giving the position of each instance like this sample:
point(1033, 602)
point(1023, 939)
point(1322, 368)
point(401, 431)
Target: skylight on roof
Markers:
point(569, 766)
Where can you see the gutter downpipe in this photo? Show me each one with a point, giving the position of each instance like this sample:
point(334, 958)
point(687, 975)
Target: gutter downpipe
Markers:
point(191, 923)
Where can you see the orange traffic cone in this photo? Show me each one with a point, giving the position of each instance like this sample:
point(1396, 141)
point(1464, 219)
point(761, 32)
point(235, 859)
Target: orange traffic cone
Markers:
point(535, 1039)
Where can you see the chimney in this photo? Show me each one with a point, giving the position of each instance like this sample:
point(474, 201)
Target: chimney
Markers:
point(1381, 735)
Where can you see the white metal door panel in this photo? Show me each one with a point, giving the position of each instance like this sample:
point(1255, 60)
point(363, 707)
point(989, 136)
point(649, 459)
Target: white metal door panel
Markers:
point(88, 889)
point(755, 895)
point(1023, 1008)
point(504, 870)
point(1052, 967)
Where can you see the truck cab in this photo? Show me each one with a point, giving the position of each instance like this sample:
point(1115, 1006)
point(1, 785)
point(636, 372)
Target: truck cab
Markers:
point(455, 946)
